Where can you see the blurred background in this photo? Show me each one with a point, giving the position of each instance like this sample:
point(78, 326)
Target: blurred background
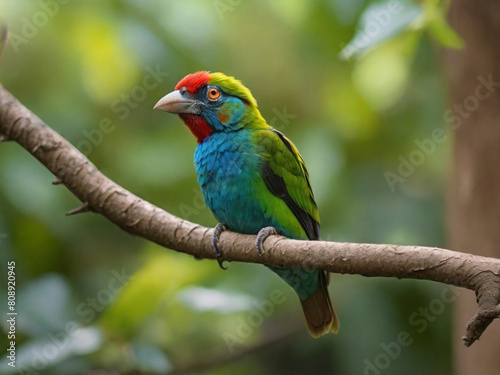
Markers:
point(357, 86)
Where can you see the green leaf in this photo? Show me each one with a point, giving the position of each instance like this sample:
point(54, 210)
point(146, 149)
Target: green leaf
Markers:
point(162, 276)
point(435, 20)
point(443, 33)
point(380, 22)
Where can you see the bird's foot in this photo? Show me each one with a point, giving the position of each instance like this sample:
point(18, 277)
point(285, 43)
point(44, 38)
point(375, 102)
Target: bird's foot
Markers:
point(261, 237)
point(219, 228)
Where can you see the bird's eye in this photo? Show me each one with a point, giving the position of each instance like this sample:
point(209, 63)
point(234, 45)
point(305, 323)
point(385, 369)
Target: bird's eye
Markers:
point(213, 94)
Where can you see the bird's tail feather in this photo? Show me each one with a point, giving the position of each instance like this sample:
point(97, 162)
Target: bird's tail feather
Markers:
point(318, 309)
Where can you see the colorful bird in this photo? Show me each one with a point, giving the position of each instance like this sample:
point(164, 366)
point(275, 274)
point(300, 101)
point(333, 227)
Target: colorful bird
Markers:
point(252, 178)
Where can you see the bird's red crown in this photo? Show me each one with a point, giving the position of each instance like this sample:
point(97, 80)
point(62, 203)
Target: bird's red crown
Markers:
point(192, 82)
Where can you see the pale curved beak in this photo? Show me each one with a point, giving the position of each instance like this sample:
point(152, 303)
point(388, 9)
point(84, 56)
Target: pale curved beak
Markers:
point(175, 102)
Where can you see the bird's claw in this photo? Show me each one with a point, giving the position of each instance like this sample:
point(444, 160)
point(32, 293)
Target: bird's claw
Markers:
point(261, 237)
point(219, 228)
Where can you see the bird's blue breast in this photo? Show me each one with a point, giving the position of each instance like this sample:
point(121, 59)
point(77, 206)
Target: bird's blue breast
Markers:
point(227, 165)
point(228, 169)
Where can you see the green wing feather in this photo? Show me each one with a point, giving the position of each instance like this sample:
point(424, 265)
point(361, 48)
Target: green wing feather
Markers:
point(286, 176)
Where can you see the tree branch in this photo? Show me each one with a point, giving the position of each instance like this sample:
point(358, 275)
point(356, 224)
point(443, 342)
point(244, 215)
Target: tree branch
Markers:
point(136, 216)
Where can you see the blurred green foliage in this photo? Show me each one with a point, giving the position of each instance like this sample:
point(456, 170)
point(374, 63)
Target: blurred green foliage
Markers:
point(91, 296)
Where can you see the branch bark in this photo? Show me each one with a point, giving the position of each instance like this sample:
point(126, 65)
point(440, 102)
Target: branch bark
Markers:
point(134, 215)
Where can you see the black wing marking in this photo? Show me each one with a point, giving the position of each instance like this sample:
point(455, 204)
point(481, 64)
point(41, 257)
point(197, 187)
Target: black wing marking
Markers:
point(277, 186)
